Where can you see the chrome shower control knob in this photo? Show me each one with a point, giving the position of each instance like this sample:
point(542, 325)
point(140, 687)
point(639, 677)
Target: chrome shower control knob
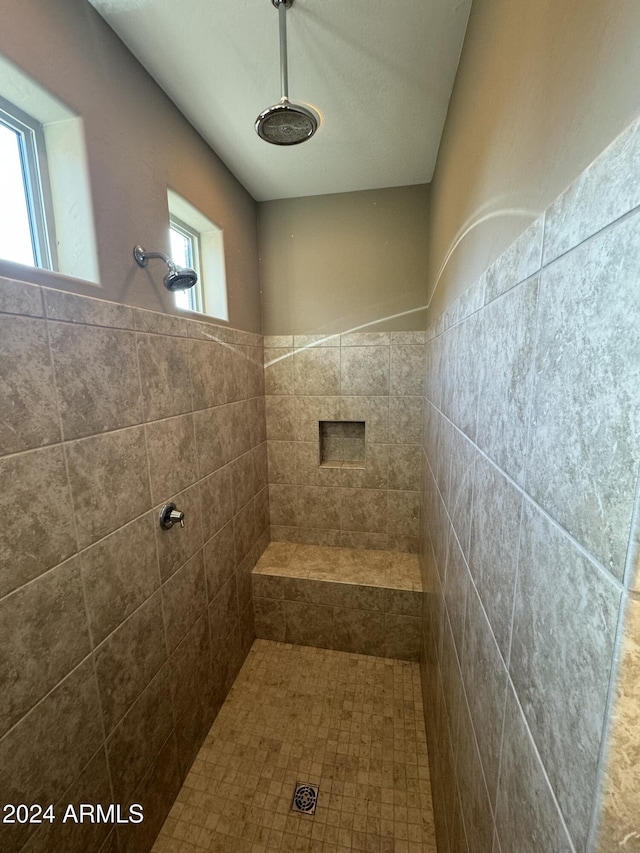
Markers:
point(169, 516)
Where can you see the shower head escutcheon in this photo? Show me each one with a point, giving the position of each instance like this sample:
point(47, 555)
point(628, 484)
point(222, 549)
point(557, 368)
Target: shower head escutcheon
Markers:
point(285, 123)
point(178, 278)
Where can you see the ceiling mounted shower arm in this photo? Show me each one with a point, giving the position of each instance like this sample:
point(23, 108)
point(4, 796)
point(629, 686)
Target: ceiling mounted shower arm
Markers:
point(285, 123)
point(282, 6)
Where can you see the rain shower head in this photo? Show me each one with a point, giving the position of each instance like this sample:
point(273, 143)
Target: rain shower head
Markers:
point(178, 278)
point(285, 123)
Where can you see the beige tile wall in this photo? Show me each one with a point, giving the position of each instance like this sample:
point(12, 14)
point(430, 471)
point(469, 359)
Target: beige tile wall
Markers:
point(529, 549)
point(118, 640)
point(375, 377)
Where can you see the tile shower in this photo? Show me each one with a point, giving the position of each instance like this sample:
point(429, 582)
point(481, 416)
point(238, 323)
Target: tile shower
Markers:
point(530, 537)
point(503, 444)
point(119, 641)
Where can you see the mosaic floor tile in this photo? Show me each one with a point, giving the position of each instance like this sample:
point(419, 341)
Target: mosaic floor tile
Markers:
point(350, 724)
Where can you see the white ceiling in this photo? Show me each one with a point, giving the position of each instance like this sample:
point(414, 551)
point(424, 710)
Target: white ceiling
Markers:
point(379, 73)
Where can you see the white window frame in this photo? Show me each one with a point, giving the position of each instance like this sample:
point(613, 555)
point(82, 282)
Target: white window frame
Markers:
point(209, 242)
point(35, 180)
point(194, 294)
point(65, 173)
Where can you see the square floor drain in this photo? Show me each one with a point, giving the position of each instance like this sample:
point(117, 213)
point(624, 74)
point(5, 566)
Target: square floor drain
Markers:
point(305, 798)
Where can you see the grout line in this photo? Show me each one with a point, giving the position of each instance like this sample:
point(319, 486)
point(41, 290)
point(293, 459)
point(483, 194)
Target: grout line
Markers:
point(47, 694)
point(581, 548)
point(543, 266)
point(526, 462)
point(90, 633)
point(603, 229)
point(632, 562)
point(146, 450)
point(509, 685)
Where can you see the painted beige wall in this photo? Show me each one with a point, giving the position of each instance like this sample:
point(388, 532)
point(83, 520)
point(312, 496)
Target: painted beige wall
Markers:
point(336, 262)
point(541, 89)
point(138, 144)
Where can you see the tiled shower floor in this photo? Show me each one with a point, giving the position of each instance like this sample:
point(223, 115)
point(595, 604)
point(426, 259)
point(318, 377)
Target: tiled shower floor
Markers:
point(352, 724)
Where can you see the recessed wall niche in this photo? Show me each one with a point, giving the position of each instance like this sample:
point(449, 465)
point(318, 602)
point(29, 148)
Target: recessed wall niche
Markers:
point(342, 444)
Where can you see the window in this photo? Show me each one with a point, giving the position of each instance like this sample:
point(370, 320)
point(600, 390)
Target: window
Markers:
point(198, 243)
point(25, 227)
point(185, 251)
point(46, 212)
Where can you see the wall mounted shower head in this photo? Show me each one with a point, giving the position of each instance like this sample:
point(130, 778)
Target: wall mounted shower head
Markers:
point(285, 123)
point(178, 278)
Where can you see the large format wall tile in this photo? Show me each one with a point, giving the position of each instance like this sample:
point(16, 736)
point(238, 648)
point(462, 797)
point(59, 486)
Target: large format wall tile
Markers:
point(97, 377)
point(281, 418)
point(27, 392)
point(406, 376)
point(189, 666)
point(308, 624)
point(165, 376)
point(404, 467)
point(521, 260)
point(278, 370)
point(99, 369)
point(208, 365)
point(374, 411)
point(177, 545)
point(317, 371)
point(476, 806)
point(585, 438)
point(537, 365)
point(527, 817)
point(219, 560)
point(128, 659)
point(493, 551)
point(37, 501)
point(156, 792)
point(223, 614)
point(320, 507)
point(92, 786)
point(184, 597)
point(358, 631)
point(363, 509)
point(217, 501)
point(119, 573)
point(565, 617)
point(455, 587)
point(43, 635)
point(485, 678)
point(309, 411)
point(605, 191)
point(469, 357)
point(403, 513)
point(43, 754)
point(172, 456)
point(137, 739)
point(18, 297)
point(365, 371)
point(405, 420)
point(109, 482)
point(72, 308)
point(504, 388)
point(461, 478)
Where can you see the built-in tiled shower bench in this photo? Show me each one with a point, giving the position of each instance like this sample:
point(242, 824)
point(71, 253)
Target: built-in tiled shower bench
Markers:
point(339, 598)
